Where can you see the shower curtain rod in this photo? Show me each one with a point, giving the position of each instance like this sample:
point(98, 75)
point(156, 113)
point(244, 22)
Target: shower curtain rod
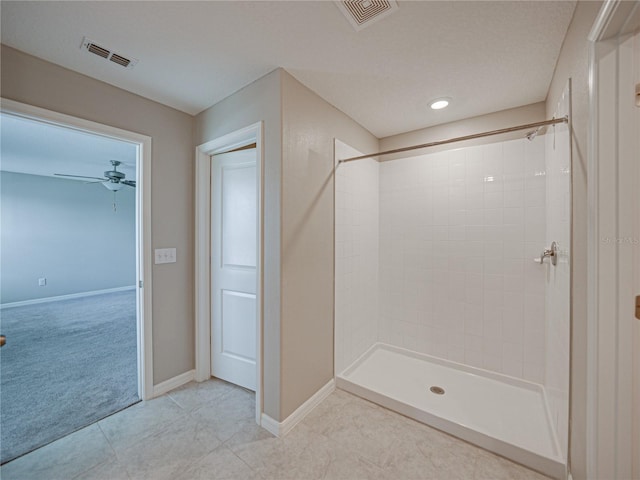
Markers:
point(553, 121)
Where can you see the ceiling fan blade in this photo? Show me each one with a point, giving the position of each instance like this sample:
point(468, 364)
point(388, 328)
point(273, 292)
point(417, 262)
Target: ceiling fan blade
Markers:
point(131, 183)
point(80, 176)
point(98, 181)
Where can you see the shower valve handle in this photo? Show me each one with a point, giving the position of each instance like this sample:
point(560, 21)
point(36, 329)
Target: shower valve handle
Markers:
point(552, 253)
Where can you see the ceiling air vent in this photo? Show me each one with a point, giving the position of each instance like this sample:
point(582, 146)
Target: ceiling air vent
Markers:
point(101, 52)
point(92, 47)
point(115, 58)
point(362, 13)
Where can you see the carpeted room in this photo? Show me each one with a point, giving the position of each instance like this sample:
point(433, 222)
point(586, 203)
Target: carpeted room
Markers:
point(68, 284)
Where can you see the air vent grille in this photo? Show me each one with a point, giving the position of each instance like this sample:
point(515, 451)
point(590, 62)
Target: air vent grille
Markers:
point(362, 13)
point(98, 50)
point(115, 58)
point(92, 47)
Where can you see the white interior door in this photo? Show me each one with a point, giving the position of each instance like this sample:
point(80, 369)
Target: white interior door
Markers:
point(234, 243)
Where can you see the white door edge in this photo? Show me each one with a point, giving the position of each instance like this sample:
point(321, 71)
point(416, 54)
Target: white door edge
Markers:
point(143, 222)
point(609, 362)
point(245, 136)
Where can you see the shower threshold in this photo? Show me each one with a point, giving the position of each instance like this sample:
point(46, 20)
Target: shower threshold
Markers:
point(502, 414)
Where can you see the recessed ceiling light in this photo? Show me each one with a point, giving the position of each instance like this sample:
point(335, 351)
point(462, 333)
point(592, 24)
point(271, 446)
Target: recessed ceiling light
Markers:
point(439, 103)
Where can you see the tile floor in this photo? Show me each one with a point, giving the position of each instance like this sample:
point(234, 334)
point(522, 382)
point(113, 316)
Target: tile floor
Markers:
point(208, 431)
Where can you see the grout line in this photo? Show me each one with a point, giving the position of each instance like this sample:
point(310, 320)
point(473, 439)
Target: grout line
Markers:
point(242, 460)
point(115, 454)
point(168, 394)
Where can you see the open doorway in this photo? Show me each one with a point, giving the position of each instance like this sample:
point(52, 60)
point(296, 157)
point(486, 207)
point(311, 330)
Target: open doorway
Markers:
point(229, 260)
point(72, 251)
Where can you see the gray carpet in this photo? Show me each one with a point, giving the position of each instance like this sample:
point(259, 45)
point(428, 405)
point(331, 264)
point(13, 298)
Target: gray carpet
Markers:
point(66, 365)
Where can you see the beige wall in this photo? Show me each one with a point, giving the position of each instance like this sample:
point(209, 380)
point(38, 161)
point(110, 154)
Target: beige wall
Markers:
point(299, 129)
point(310, 125)
point(33, 81)
point(260, 101)
point(483, 123)
point(573, 64)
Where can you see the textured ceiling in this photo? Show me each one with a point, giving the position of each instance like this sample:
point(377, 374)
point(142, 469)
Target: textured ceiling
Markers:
point(43, 149)
point(487, 56)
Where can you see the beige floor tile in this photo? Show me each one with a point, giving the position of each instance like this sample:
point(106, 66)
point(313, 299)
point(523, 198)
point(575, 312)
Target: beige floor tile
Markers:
point(228, 414)
point(366, 430)
point(336, 413)
point(353, 468)
point(111, 470)
point(168, 453)
point(492, 467)
point(208, 430)
point(331, 405)
point(414, 466)
point(62, 459)
point(248, 433)
point(194, 395)
point(302, 454)
point(221, 464)
point(143, 419)
point(430, 455)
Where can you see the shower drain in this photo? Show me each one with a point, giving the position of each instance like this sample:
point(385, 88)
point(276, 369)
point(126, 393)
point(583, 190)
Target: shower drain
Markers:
point(437, 390)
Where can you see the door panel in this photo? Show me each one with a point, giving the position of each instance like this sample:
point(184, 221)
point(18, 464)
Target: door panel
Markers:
point(234, 240)
point(238, 332)
point(239, 215)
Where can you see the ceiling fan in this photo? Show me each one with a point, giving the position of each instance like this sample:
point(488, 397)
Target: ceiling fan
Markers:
point(112, 180)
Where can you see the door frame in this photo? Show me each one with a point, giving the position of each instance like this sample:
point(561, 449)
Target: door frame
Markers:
point(611, 244)
point(239, 138)
point(143, 222)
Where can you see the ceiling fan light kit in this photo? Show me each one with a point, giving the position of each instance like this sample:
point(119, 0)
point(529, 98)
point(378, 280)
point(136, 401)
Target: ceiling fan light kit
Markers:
point(113, 180)
point(113, 186)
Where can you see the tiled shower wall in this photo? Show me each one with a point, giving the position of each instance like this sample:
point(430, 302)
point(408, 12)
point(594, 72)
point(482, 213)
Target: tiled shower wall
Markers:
point(458, 233)
point(436, 253)
point(356, 257)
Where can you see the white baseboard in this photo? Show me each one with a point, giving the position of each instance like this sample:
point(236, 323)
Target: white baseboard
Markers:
point(270, 425)
point(280, 429)
point(175, 382)
point(65, 297)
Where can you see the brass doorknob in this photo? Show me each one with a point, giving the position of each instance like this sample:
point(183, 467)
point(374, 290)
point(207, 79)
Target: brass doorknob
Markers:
point(3, 340)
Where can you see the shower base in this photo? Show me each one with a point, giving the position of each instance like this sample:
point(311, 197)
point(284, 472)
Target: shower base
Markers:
point(502, 414)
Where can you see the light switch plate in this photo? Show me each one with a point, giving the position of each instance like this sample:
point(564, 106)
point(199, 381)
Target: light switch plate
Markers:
point(165, 255)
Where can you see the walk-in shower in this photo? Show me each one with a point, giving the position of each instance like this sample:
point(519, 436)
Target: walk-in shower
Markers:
point(449, 308)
